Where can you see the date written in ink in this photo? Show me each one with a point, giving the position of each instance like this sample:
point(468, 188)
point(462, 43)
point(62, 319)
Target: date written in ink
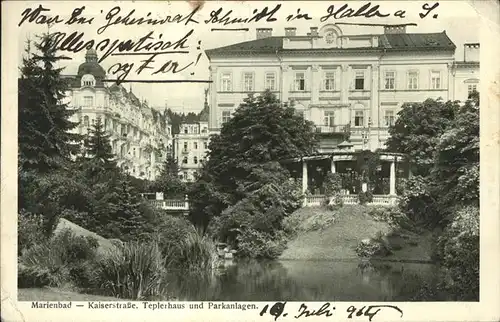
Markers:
point(326, 310)
point(278, 309)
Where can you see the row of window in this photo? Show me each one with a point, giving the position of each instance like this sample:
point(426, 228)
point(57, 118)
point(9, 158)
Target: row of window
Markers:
point(195, 160)
point(329, 117)
point(194, 130)
point(248, 81)
point(359, 118)
point(471, 88)
point(328, 81)
point(195, 145)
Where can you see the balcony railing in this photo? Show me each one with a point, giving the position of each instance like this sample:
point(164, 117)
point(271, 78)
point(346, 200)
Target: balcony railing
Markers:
point(383, 200)
point(324, 129)
point(170, 204)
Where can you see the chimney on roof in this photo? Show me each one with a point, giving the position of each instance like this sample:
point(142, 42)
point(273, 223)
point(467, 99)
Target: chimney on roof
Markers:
point(394, 29)
point(290, 32)
point(314, 31)
point(264, 32)
point(471, 52)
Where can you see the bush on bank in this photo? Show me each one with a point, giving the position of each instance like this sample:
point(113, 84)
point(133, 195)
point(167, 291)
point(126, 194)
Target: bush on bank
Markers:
point(458, 249)
point(57, 261)
point(135, 271)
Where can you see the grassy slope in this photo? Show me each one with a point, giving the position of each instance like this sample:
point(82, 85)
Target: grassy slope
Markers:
point(104, 244)
point(55, 294)
point(339, 240)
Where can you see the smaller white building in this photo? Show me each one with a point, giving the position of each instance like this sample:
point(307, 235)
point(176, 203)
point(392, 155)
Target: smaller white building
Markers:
point(466, 72)
point(191, 147)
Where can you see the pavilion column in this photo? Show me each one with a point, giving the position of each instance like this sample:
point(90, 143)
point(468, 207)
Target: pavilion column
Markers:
point(392, 182)
point(304, 176)
point(332, 166)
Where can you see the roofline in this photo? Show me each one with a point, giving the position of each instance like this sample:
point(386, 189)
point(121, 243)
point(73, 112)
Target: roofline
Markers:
point(327, 50)
point(331, 154)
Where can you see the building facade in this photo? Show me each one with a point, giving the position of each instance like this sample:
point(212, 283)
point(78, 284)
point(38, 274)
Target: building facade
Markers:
point(191, 146)
point(466, 72)
point(140, 135)
point(352, 84)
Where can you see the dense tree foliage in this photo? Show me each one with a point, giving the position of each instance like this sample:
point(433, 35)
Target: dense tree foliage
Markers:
point(89, 189)
point(455, 175)
point(45, 142)
point(168, 181)
point(242, 186)
point(176, 119)
point(418, 129)
point(443, 140)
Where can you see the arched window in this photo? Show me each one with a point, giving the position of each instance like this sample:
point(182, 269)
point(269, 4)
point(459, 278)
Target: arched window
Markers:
point(86, 120)
point(88, 80)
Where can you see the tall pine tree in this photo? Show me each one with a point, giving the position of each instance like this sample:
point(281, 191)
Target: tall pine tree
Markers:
point(98, 147)
point(127, 219)
point(45, 141)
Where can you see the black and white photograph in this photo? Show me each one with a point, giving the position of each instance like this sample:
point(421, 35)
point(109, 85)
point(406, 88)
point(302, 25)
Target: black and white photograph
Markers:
point(186, 152)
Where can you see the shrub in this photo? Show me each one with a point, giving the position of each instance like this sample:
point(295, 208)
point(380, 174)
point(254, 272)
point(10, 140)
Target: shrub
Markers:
point(372, 247)
point(255, 244)
point(365, 197)
point(332, 184)
point(45, 258)
point(59, 256)
point(75, 248)
point(29, 231)
point(417, 202)
point(458, 248)
point(33, 276)
point(84, 275)
point(134, 272)
point(171, 231)
point(193, 254)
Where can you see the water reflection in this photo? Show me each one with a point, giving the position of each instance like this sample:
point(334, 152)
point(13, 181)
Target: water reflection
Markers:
point(252, 280)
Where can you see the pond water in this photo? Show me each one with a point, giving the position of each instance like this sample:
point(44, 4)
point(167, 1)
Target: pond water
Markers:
point(251, 280)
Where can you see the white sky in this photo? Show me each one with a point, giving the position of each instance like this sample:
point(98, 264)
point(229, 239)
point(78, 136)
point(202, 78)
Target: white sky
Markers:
point(458, 18)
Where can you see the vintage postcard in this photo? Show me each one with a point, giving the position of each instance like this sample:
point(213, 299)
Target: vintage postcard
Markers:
point(250, 161)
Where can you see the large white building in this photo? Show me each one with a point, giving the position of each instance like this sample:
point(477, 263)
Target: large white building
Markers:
point(140, 135)
point(353, 83)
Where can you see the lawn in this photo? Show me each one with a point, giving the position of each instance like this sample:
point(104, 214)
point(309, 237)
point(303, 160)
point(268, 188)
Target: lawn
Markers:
point(338, 240)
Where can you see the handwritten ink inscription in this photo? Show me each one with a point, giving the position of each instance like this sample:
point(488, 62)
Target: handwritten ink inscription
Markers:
point(326, 310)
point(154, 44)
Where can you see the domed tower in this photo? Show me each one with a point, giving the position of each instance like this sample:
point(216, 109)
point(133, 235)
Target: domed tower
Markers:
point(90, 73)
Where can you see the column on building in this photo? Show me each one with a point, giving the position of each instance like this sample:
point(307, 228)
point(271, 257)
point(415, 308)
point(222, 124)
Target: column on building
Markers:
point(285, 82)
point(451, 82)
point(333, 167)
point(392, 178)
point(213, 108)
point(345, 81)
point(315, 84)
point(375, 108)
point(304, 181)
point(304, 176)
